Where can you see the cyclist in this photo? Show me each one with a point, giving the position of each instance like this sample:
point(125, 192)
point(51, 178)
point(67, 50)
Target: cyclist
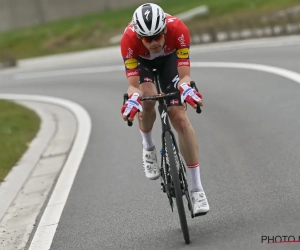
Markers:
point(155, 39)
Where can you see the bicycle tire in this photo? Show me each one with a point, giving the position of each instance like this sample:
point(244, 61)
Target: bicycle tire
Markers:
point(177, 188)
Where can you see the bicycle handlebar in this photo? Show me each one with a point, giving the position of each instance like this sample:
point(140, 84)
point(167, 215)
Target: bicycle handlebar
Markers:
point(162, 96)
point(157, 97)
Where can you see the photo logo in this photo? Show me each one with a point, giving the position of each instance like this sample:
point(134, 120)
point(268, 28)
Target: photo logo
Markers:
point(279, 239)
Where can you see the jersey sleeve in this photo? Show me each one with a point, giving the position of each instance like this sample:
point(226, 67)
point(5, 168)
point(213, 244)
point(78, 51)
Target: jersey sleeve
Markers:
point(129, 56)
point(182, 44)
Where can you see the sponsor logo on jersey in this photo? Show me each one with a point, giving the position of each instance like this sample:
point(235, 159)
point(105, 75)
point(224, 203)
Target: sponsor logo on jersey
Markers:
point(176, 81)
point(130, 26)
point(170, 20)
point(129, 53)
point(131, 63)
point(174, 102)
point(183, 62)
point(147, 79)
point(183, 53)
point(181, 40)
point(132, 72)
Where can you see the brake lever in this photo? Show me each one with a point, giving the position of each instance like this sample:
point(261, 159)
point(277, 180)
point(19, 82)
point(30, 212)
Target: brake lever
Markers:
point(193, 85)
point(129, 123)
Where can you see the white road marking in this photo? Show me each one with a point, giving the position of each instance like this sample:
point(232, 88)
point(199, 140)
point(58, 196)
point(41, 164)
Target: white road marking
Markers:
point(68, 72)
point(270, 69)
point(294, 76)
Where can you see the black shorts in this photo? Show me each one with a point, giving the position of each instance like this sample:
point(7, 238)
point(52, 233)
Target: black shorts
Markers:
point(168, 75)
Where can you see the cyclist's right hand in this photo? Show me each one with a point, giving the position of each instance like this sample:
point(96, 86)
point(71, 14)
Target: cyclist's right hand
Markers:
point(131, 107)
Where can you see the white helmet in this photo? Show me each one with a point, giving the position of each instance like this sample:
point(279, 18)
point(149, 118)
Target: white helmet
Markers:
point(149, 19)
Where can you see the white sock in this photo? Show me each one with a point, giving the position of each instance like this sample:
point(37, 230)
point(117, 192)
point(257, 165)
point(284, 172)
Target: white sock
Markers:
point(148, 142)
point(194, 172)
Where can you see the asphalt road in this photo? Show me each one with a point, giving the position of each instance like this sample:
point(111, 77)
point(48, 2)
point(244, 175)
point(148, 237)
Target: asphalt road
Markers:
point(249, 137)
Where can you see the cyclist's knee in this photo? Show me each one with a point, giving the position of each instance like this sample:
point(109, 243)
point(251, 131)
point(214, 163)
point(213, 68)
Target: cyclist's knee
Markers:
point(179, 119)
point(148, 89)
point(148, 106)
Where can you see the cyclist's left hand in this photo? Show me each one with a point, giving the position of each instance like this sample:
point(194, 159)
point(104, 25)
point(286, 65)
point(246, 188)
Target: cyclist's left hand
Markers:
point(131, 107)
point(190, 95)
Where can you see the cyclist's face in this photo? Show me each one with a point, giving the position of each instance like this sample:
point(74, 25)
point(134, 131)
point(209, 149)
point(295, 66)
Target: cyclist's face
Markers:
point(154, 45)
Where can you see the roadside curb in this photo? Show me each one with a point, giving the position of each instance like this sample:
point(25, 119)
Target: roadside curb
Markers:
point(215, 36)
point(18, 175)
point(30, 185)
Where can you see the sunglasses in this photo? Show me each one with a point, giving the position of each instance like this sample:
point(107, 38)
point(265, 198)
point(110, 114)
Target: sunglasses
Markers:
point(149, 39)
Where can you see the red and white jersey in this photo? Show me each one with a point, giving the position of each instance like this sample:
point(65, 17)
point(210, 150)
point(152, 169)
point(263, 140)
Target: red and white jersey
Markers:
point(177, 39)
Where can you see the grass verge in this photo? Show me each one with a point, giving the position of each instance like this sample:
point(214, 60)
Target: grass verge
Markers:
point(18, 126)
point(94, 30)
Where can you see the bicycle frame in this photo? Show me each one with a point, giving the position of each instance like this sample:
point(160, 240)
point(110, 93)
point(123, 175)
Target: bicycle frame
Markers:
point(162, 109)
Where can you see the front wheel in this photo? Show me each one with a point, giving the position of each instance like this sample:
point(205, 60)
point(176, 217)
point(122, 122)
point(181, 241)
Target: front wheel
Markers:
point(177, 187)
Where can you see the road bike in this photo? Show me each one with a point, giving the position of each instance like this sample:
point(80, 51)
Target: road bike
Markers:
point(173, 170)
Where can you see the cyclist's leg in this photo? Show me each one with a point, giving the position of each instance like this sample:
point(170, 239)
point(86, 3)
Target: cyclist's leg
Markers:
point(186, 134)
point(146, 122)
point(187, 138)
point(148, 88)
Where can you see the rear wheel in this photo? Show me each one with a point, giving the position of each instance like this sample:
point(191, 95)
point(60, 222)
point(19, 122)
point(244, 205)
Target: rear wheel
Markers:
point(177, 188)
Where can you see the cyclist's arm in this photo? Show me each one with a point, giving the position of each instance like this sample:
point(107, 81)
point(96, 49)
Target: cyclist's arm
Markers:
point(183, 53)
point(134, 85)
point(129, 55)
point(184, 75)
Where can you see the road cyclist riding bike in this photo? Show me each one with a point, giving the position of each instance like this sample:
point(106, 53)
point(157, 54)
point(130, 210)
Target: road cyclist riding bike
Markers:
point(158, 40)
